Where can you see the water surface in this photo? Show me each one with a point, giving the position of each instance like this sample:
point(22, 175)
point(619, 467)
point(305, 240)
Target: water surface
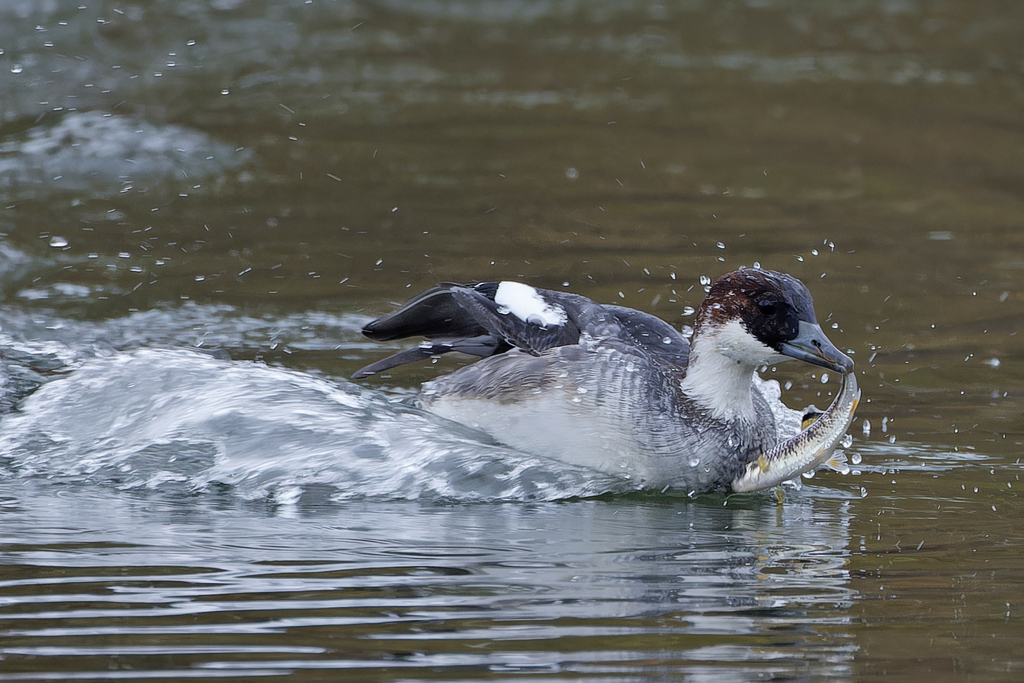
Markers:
point(201, 203)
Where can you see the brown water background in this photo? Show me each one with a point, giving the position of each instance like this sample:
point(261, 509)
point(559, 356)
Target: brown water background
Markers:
point(264, 176)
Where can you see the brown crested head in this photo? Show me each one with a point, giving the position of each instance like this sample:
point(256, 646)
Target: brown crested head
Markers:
point(769, 305)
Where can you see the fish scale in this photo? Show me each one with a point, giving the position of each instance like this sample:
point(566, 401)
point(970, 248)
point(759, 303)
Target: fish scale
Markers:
point(808, 449)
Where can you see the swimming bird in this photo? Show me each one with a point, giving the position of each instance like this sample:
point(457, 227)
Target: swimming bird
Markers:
point(609, 387)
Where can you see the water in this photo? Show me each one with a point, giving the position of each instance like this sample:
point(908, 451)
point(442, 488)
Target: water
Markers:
point(406, 591)
point(155, 418)
point(201, 203)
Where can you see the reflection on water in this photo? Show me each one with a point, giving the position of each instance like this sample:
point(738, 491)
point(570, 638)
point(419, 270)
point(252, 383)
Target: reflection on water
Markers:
point(260, 178)
point(621, 589)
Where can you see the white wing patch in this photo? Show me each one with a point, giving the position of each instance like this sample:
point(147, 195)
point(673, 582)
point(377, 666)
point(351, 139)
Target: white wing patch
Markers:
point(525, 303)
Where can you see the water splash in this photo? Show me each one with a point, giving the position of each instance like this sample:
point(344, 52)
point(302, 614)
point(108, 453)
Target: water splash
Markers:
point(101, 154)
point(158, 418)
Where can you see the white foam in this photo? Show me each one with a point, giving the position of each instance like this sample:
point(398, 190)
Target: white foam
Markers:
point(525, 303)
point(173, 418)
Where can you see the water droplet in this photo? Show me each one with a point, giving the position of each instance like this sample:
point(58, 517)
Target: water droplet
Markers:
point(863, 492)
point(666, 340)
point(200, 278)
point(721, 245)
point(16, 68)
point(809, 475)
point(694, 462)
point(824, 378)
point(705, 280)
point(892, 439)
point(58, 241)
point(688, 310)
point(225, 91)
point(846, 442)
point(581, 390)
point(788, 385)
point(571, 173)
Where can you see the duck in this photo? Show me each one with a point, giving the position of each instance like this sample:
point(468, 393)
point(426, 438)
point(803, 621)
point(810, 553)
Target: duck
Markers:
point(612, 388)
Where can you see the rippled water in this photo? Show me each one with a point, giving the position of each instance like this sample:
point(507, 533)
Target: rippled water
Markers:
point(407, 590)
point(202, 202)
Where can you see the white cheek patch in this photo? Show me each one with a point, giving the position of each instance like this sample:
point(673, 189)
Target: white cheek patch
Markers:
point(733, 341)
point(525, 303)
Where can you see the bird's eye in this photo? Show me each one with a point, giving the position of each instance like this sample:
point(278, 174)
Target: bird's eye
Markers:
point(766, 307)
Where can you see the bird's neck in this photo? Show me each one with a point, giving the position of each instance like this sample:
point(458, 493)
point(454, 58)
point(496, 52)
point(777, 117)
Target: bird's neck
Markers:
point(719, 383)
